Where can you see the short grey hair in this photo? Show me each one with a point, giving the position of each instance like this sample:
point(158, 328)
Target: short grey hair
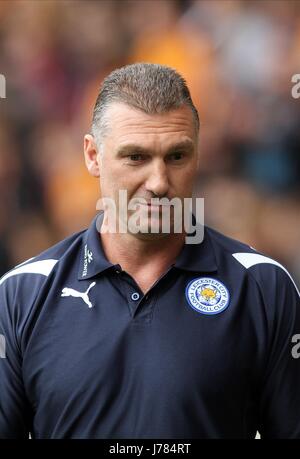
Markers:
point(151, 88)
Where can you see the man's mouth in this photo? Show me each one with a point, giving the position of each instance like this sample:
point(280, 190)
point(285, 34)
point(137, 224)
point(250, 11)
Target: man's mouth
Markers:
point(154, 204)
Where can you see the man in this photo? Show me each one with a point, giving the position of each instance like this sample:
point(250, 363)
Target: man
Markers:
point(137, 333)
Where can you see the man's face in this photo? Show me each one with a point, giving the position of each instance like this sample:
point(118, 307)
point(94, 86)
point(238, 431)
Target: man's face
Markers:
point(149, 156)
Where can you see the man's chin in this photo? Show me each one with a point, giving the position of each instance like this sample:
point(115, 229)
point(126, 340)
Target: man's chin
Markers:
point(148, 236)
point(146, 225)
point(151, 229)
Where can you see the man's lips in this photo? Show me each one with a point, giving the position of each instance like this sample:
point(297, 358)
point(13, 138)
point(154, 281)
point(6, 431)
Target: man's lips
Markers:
point(153, 204)
point(157, 207)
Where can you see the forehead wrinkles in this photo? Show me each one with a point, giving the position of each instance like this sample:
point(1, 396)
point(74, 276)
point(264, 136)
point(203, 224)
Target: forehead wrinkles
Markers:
point(152, 136)
point(133, 121)
point(155, 127)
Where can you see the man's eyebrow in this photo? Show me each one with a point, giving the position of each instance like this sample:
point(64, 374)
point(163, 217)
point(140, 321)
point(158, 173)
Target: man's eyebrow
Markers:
point(138, 149)
point(184, 145)
point(131, 149)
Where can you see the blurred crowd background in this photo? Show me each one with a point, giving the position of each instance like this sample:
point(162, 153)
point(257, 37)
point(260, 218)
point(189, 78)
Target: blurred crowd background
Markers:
point(238, 58)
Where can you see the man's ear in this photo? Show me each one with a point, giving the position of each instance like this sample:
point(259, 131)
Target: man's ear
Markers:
point(91, 155)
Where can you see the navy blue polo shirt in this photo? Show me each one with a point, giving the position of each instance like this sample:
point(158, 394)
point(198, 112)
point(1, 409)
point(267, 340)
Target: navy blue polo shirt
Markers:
point(205, 353)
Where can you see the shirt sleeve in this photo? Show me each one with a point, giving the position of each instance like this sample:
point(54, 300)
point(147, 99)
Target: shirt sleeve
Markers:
point(14, 407)
point(280, 388)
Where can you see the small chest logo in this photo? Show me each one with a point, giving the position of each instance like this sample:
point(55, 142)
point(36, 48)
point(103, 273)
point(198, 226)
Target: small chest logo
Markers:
point(88, 258)
point(207, 295)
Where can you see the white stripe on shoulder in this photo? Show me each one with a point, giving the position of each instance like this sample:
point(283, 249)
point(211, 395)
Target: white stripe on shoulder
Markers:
point(43, 267)
point(23, 262)
point(252, 259)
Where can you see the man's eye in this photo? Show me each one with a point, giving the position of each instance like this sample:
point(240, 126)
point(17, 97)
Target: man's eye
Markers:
point(176, 156)
point(136, 157)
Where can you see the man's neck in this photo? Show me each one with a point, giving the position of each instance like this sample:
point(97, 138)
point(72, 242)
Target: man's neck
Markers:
point(145, 260)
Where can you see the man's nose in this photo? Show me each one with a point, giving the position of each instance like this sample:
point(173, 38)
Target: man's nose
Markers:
point(158, 181)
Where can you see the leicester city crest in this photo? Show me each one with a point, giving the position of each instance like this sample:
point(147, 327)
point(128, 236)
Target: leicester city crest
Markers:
point(207, 295)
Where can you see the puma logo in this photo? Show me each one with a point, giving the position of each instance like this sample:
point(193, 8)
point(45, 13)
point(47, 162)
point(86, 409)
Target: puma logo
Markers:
point(84, 295)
